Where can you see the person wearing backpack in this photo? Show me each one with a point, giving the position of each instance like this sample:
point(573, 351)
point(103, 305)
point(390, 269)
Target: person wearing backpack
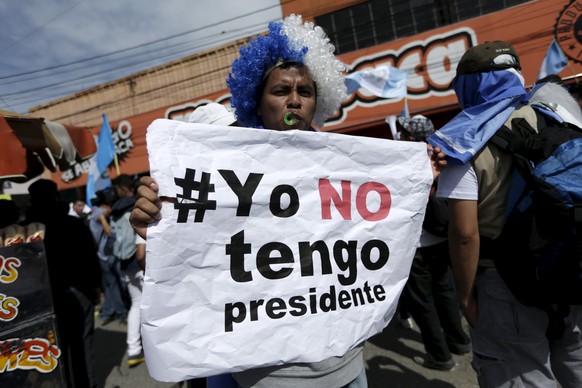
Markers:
point(432, 299)
point(125, 249)
point(511, 345)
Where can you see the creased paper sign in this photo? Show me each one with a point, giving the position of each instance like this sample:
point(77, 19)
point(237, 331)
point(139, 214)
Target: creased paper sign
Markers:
point(280, 247)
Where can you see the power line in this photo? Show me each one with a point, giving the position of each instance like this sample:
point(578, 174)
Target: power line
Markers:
point(140, 45)
point(60, 88)
point(209, 41)
point(41, 27)
point(361, 28)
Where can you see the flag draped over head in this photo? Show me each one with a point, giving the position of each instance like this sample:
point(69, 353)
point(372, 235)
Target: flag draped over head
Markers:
point(382, 81)
point(554, 62)
point(98, 177)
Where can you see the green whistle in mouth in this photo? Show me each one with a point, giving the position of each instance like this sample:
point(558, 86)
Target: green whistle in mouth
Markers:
point(289, 118)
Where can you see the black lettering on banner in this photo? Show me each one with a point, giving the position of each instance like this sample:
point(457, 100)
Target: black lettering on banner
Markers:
point(306, 257)
point(345, 302)
point(383, 254)
point(296, 303)
point(230, 318)
point(357, 294)
point(380, 293)
point(299, 305)
point(274, 307)
point(313, 300)
point(265, 260)
point(345, 254)
point(237, 250)
point(255, 304)
point(244, 192)
point(275, 201)
point(351, 262)
point(200, 204)
point(367, 290)
point(327, 302)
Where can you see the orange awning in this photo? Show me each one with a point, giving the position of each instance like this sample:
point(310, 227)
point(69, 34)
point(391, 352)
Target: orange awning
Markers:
point(29, 144)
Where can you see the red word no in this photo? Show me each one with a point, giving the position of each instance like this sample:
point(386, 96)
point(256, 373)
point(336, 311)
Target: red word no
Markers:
point(343, 202)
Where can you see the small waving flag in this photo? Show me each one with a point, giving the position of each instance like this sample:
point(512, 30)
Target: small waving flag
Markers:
point(98, 177)
point(382, 81)
point(554, 62)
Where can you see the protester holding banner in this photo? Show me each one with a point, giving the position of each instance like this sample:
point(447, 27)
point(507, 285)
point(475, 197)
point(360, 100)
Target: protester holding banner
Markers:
point(289, 79)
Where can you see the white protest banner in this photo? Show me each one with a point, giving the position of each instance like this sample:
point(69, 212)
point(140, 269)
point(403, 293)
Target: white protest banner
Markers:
point(281, 247)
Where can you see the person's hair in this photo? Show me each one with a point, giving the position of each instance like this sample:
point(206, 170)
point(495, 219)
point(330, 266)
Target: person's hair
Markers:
point(289, 42)
point(43, 190)
point(107, 196)
point(9, 213)
point(417, 127)
point(576, 90)
point(124, 180)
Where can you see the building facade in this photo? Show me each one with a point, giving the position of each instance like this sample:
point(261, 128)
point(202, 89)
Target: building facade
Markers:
point(425, 38)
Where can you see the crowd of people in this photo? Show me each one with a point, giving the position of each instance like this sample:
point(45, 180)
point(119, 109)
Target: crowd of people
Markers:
point(293, 70)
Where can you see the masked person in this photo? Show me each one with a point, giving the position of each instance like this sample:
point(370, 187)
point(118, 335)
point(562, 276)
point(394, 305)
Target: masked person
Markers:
point(511, 342)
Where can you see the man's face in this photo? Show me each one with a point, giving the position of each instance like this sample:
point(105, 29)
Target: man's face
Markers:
point(288, 90)
point(78, 207)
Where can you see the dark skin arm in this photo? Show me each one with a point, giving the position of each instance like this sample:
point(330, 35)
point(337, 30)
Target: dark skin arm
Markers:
point(147, 208)
point(105, 224)
point(438, 160)
point(464, 247)
point(140, 255)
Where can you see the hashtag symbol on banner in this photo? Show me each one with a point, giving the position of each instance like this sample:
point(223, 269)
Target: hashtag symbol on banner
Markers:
point(187, 202)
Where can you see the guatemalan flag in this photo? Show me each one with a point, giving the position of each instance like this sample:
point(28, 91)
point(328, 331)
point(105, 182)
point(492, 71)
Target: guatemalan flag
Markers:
point(382, 81)
point(98, 178)
point(554, 62)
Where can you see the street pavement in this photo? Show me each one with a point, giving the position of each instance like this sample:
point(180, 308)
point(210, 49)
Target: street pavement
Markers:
point(388, 358)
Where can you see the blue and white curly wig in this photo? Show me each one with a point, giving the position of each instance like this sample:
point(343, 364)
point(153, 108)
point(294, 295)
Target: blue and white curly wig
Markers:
point(288, 41)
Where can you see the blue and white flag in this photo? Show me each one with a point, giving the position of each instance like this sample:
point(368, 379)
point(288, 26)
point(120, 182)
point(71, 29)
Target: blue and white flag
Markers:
point(382, 81)
point(98, 178)
point(554, 62)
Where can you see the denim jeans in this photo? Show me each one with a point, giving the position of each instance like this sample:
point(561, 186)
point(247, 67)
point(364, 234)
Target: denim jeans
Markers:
point(113, 288)
point(510, 348)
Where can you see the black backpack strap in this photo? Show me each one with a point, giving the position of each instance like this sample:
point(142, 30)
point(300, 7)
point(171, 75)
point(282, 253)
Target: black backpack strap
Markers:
point(534, 144)
point(578, 225)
